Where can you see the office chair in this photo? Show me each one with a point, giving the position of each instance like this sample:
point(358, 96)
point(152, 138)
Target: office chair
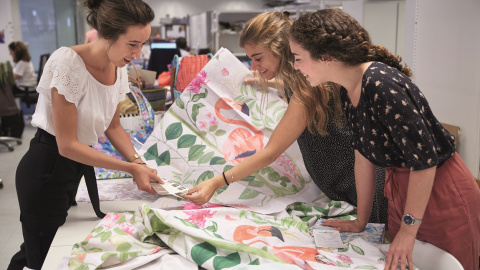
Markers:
point(10, 129)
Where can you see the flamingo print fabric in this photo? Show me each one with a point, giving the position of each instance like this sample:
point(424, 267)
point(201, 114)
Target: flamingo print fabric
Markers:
point(215, 124)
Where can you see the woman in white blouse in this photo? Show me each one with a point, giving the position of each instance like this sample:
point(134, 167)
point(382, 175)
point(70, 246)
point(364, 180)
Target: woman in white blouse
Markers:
point(23, 70)
point(79, 93)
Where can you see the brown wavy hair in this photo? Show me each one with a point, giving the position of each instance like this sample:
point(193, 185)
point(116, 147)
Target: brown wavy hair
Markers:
point(20, 51)
point(271, 31)
point(332, 33)
point(111, 18)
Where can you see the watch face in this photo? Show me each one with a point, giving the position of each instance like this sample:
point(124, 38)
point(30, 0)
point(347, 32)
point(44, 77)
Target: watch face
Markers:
point(408, 220)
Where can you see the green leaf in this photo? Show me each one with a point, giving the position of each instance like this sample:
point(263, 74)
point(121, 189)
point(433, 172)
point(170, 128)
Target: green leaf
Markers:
point(157, 225)
point(213, 227)
point(195, 152)
point(256, 118)
point(365, 267)
point(152, 153)
point(278, 109)
point(255, 262)
point(98, 229)
point(203, 252)
point(248, 194)
point(119, 231)
point(213, 128)
point(174, 131)
point(123, 256)
point(217, 235)
point(196, 97)
point(275, 176)
point(205, 176)
point(196, 111)
point(220, 262)
point(180, 103)
point(336, 204)
point(188, 224)
point(271, 104)
point(202, 134)
point(220, 132)
point(341, 264)
point(106, 236)
point(358, 249)
point(256, 216)
point(206, 157)
point(124, 247)
point(256, 184)
point(321, 210)
point(217, 161)
point(186, 141)
point(108, 255)
point(163, 159)
point(279, 116)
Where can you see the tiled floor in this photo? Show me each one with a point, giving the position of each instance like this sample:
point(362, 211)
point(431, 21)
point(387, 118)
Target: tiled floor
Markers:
point(10, 227)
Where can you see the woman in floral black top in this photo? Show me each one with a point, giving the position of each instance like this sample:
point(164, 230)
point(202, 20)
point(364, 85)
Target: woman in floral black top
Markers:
point(393, 126)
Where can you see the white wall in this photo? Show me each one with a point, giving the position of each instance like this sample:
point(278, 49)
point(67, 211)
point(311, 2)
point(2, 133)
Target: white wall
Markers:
point(443, 50)
point(182, 8)
point(6, 25)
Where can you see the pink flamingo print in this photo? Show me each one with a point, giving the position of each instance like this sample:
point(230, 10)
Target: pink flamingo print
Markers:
point(241, 143)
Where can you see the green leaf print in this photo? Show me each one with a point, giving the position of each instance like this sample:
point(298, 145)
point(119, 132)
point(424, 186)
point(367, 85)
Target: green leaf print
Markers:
point(123, 256)
point(248, 194)
point(188, 224)
point(305, 209)
point(271, 104)
point(220, 132)
point(98, 229)
point(105, 236)
point(213, 128)
point(206, 157)
point(174, 131)
point(321, 210)
point(220, 262)
point(180, 103)
point(365, 267)
point(152, 153)
point(157, 225)
point(205, 176)
point(358, 249)
point(213, 227)
point(186, 141)
point(163, 159)
point(108, 255)
point(124, 247)
point(196, 152)
point(336, 204)
point(119, 231)
point(255, 262)
point(196, 111)
point(217, 161)
point(203, 252)
point(196, 97)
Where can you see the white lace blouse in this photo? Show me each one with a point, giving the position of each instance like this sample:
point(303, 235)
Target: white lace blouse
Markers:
point(96, 103)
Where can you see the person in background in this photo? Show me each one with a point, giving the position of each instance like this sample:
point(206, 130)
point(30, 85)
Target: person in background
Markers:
point(23, 70)
point(80, 91)
point(182, 46)
point(432, 195)
point(91, 35)
point(320, 131)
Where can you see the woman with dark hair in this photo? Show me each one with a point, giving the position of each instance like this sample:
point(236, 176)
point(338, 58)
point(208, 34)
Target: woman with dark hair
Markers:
point(80, 91)
point(320, 131)
point(23, 70)
point(432, 195)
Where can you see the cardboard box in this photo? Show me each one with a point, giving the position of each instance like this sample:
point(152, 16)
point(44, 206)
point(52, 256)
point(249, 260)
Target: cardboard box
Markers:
point(453, 130)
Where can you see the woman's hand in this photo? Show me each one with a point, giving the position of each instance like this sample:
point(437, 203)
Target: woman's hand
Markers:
point(142, 175)
point(203, 192)
point(343, 225)
point(401, 250)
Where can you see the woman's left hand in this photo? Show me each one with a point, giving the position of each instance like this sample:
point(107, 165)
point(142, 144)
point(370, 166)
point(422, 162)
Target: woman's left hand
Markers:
point(343, 225)
point(401, 250)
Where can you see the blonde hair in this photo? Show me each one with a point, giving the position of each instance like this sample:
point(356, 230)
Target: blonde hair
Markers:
point(271, 31)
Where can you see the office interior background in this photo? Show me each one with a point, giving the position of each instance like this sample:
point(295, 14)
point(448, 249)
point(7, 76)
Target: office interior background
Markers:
point(438, 39)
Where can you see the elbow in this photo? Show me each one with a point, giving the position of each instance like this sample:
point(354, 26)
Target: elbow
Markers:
point(65, 150)
point(270, 156)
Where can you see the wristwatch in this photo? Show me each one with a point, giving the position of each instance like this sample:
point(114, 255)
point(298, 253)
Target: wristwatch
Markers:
point(410, 220)
point(132, 158)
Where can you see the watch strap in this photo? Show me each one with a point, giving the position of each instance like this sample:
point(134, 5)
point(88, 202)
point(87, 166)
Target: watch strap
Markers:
point(132, 158)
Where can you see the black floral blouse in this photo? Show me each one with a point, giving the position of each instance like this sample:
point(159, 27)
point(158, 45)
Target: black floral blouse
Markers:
point(393, 125)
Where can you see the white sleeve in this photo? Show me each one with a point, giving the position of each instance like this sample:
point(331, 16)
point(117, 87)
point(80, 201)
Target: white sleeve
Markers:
point(20, 68)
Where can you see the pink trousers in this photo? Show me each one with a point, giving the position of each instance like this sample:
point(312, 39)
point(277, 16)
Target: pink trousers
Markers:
point(452, 218)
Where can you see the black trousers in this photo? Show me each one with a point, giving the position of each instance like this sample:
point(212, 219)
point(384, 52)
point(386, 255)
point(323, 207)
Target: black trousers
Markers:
point(46, 185)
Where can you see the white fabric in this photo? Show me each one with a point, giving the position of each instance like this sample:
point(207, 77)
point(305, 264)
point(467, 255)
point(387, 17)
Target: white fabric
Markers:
point(184, 53)
point(26, 71)
point(96, 103)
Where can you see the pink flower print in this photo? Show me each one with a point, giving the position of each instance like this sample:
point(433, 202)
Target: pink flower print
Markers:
point(198, 217)
point(110, 219)
point(225, 72)
point(127, 228)
point(212, 205)
point(202, 125)
point(209, 115)
point(156, 249)
point(191, 206)
point(213, 121)
point(197, 82)
point(345, 259)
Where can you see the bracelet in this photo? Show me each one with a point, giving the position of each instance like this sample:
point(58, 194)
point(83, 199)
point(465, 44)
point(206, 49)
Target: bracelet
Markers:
point(225, 178)
point(230, 171)
point(140, 163)
point(132, 158)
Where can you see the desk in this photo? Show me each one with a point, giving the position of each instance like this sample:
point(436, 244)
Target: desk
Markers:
point(80, 221)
